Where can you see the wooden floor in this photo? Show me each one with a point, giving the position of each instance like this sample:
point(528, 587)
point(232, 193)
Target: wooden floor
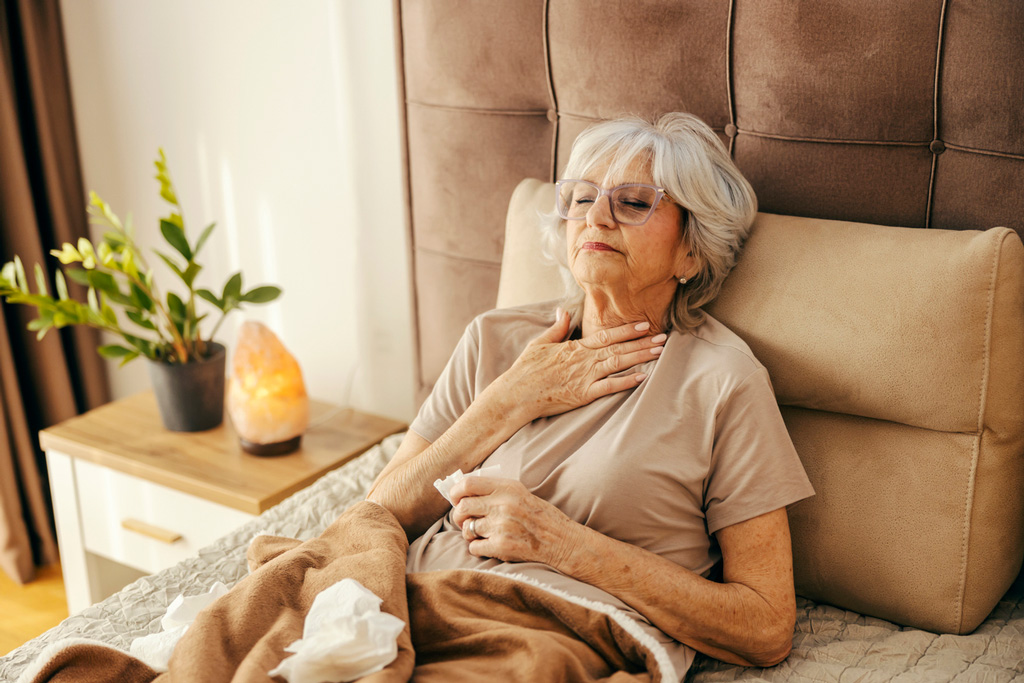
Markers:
point(30, 609)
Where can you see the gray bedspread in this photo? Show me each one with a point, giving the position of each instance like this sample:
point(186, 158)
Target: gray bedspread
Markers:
point(830, 644)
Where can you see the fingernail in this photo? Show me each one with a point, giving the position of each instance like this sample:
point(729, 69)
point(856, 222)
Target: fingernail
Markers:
point(559, 313)
point(659, 339)
point(640, 377)
point(657, 350)
point(642, 326)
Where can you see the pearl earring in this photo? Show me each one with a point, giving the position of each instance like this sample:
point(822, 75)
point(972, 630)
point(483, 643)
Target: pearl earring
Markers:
point(682, 280)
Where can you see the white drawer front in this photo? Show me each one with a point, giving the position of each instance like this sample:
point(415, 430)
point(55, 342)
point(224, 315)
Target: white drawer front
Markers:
point(108, 499)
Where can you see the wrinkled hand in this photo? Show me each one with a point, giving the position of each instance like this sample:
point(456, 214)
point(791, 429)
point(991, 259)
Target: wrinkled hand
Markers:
point(512, 524)
point(552, 376)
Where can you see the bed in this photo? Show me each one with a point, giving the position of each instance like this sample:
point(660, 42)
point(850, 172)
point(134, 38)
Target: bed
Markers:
point(849, 117)
point(830, 644)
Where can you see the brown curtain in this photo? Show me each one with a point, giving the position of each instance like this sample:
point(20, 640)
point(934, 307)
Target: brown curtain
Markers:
point(42, 205)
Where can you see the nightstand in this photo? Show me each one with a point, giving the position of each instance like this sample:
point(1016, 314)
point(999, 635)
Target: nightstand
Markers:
point(131, 498)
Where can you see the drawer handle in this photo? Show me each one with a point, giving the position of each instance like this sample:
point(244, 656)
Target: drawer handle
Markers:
point(154, 532)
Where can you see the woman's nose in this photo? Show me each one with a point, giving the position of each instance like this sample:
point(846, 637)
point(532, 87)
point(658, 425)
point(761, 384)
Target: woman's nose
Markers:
point(600, 213)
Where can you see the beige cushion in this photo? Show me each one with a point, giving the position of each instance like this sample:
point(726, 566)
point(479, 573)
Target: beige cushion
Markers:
point(526, 275)
point(898, 357)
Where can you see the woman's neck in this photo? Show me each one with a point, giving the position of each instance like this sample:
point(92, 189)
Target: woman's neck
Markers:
point(601, 312)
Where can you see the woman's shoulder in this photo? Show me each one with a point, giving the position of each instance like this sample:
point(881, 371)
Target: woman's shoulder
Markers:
point(729, 354)
point(713, 362)
point(514, 326)
point(540, 314)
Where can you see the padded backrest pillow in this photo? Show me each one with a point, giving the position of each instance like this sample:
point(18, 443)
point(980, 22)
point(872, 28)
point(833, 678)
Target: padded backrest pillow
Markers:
point(897, 357)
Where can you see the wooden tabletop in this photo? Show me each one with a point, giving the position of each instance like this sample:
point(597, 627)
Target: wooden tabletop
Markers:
point(128, 436)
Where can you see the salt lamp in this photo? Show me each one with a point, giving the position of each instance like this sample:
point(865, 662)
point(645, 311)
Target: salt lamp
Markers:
point(267, 399)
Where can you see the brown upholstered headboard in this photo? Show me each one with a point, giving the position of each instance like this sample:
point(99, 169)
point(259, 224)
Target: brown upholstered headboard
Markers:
point(903, 113)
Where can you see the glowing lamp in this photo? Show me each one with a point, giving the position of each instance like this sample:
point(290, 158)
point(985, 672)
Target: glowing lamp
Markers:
point(267, 399)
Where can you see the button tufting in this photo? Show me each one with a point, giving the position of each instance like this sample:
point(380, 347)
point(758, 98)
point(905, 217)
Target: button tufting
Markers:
point(552, 115)
point(937, 147)
point(730, 130)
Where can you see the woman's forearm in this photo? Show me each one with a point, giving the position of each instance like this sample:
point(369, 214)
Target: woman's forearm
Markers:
point(746, 620)
point(405, 486)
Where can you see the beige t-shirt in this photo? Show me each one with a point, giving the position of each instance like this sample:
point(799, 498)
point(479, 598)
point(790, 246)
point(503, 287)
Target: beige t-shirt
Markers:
point(697, 446)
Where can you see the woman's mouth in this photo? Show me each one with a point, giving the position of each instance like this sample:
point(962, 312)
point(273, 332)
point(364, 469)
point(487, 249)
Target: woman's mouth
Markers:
point(597, 246)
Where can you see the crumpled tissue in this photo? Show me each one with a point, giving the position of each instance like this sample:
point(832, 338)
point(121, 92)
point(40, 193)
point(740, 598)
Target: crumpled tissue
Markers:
point(156, 648)
point(444, 486)
point(345, 637)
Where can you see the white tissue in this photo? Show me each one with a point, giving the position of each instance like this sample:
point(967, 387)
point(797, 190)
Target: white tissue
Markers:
point(345, 637)
point(183, 611)
point(444, 486)
point(156, 648)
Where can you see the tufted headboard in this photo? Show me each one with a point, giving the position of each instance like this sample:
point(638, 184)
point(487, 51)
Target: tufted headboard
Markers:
point(903, 113)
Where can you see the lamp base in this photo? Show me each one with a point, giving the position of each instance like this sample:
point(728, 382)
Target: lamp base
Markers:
point(277, 448)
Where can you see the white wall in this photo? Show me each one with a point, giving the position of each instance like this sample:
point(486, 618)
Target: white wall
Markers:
point(280, 122)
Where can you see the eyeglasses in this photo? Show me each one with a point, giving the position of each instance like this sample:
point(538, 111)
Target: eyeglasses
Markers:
point(631, 204)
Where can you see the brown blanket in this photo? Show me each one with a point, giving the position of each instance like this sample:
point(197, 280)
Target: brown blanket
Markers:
point(465, 625)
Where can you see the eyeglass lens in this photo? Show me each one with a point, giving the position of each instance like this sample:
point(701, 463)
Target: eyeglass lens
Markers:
point(630, 204)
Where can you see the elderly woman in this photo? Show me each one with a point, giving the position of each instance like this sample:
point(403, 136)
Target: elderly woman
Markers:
point(643, 460)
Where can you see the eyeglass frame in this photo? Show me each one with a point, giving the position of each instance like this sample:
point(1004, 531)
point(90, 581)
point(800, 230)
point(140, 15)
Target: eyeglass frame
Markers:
point(601, 192)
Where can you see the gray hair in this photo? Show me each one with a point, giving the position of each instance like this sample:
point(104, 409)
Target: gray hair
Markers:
point(690, 162)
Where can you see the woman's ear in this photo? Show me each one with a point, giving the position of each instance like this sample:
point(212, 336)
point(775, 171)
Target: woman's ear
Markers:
point(686, 263)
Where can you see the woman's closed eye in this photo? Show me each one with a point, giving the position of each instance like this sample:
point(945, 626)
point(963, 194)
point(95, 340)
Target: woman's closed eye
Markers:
point(635, 204)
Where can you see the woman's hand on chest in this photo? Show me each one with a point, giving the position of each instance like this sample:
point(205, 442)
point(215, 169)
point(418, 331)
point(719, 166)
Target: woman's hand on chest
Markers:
point(552, 376)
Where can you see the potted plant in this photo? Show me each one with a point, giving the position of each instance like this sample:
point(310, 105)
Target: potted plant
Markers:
point(186, 366)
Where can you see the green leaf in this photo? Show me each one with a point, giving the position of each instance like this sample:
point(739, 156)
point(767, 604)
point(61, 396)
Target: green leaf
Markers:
point(166, 187)
point(175, 236)
point(261, 295)
point(19, 274)
point(62, 286)
point(98, 206)
point(66, 254)
point(7, 275)
point(41, 281)
point(94, 302)
point(78, 275)
point(128, 266)
point(189, 276)
point(114, 351)
point(233, 288)
point(106, 283)
point(141, 299)
point(177, 308)
point(106, 255)
point(115, 240)
point(171, 264)
point(207, 295)
point(107, 313)
point(140, 319)
point(202, 238)
point(85, 248)
point(43, 322)
point(144, 346)
point(167, 192)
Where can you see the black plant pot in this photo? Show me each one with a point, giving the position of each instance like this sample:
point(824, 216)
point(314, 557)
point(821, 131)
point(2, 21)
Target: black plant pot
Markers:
point(191, 395)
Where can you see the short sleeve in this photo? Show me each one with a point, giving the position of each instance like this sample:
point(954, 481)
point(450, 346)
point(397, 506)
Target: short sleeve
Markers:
point(454, 390)
point(754, 467)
